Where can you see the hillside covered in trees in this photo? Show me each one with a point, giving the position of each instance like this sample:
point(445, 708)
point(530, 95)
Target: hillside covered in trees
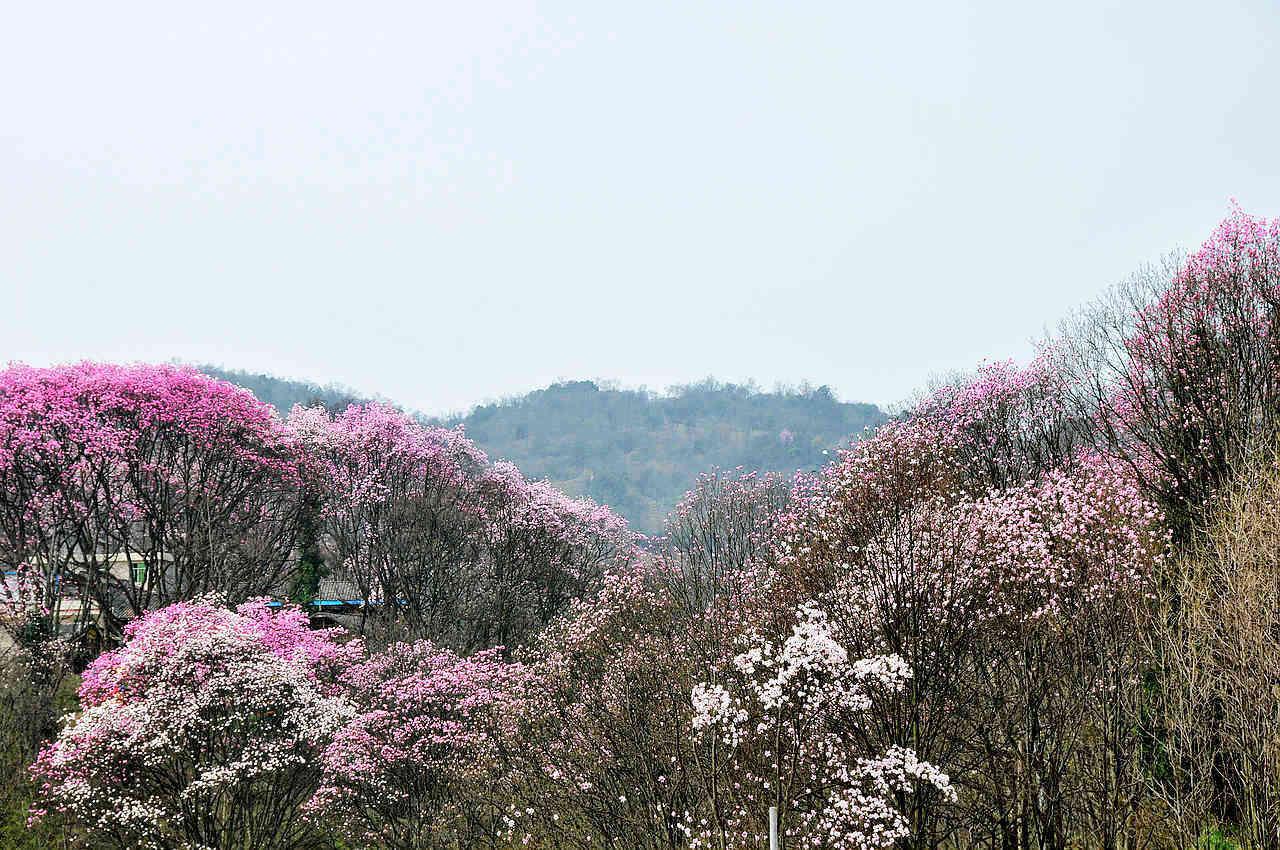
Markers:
point(284, 393)
point(639, 452)
point(633, 450)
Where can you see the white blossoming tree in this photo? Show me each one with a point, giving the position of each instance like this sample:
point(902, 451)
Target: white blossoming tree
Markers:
point(787, 712)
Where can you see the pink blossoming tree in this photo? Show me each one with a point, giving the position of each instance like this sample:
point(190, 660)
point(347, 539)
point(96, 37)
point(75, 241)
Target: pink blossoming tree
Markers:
point(128, 487)
point(416, 767)
point(1179, 375)
point(991, 581)
point(542, 550)
point(442, 543)
point(398, 512)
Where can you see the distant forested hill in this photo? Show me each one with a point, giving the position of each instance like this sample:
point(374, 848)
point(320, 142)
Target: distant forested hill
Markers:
point(639, 452)
point(635, 451)
point(282, 393)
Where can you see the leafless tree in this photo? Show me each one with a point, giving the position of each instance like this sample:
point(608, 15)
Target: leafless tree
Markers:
point(1215, 636)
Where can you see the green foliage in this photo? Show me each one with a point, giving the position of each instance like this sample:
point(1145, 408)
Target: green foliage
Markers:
point(1213, 838)
point(306, 583)
point(14, 833)
point(311, 569)
point(30, 705)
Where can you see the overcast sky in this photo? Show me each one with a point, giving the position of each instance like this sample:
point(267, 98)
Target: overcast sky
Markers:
point(448, 202)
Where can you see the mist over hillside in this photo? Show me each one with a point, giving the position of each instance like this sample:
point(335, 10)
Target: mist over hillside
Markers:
point(634, 450)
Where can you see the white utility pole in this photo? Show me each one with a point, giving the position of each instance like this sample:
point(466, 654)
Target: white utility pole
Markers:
point(773, 828)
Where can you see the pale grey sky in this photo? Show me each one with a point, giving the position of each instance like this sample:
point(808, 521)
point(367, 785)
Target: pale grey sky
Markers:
point(448, 202)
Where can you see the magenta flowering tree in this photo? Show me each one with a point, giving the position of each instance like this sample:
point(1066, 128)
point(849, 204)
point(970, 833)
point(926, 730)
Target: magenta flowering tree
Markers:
point(204, 729)
point(972, 510)
point(417, 765)
point(129, 487)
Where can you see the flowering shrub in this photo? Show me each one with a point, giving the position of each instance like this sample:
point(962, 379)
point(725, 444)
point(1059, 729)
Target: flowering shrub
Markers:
point(205, 729)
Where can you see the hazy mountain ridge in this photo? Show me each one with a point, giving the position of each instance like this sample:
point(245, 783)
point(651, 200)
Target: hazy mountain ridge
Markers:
point(634, 450)
point(284, 393)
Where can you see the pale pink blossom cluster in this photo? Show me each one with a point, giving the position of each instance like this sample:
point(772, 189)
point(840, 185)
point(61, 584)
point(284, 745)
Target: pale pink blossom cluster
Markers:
point(906, 506)
point(1063, 545)
point(208, 721)
point(201, 712)
point(1194, 380)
